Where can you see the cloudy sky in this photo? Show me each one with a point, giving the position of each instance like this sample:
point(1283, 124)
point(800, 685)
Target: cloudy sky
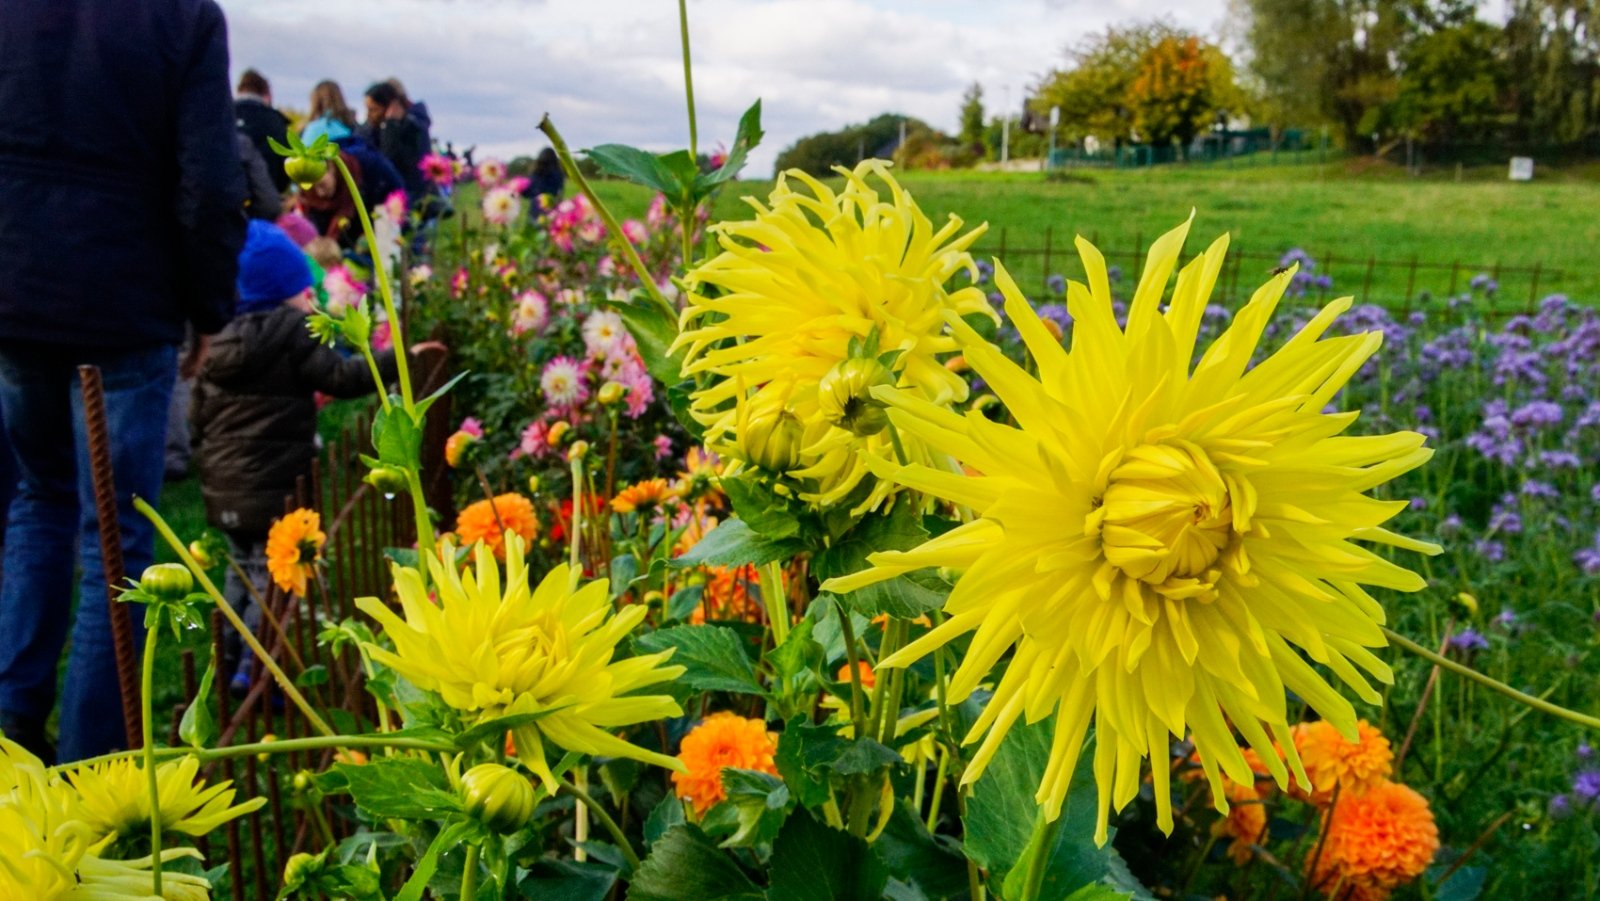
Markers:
point(610, 70)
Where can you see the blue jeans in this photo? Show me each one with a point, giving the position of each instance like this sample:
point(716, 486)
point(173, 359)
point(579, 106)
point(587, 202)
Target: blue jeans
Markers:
point(51, 530)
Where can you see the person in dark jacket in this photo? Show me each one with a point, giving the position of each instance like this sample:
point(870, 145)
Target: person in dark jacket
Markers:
point(397, 136)
point(254, 416)
point(262, 198)
point(121, 218)
point(255, 115)
point(546, 180)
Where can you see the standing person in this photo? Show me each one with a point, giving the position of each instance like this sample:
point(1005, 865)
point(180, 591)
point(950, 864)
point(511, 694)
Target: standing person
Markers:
point(397, 136)
point(545, 181)
point(416, 111)
point(121, 220)
point(252, 108)
point(329, 114)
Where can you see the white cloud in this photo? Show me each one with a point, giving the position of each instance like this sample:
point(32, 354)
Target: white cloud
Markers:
point(610, 70)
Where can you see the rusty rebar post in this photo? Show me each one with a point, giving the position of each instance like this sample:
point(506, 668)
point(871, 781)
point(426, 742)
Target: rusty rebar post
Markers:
point(105, 508)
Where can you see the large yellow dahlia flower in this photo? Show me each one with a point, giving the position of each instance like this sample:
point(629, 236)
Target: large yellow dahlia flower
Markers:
point(491, 651)
point(48, 853)
point(114, 797)
point(1164, 545)
point(793, 286)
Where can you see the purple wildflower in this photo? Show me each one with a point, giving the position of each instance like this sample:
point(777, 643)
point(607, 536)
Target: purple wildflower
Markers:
point(1469, 639)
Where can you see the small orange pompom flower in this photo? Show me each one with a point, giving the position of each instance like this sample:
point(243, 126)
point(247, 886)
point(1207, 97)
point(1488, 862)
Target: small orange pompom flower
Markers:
point(1374, 842)
point(1332, 761)
point(294, 546)
point(1245, 823)
point(643, 497)
point(478, 522)
point(869, 679)
point(456, 447)
point(722, 740)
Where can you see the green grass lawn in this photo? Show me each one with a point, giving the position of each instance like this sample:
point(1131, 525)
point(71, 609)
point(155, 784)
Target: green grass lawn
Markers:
point(1344, 214)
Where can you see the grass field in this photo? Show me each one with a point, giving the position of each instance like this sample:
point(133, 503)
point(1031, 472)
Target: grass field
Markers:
point(1344, 214)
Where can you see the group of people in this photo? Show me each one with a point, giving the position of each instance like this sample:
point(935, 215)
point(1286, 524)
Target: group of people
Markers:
point(138, 206)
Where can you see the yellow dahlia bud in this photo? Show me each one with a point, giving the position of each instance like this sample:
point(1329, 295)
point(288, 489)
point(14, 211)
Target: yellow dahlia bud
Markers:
point(845, 396)
point(167, 581)
point(266, 739)
point(498, 796)
point(611, 393)
point(390, 480)
point(558, 433)
point(456, 448)
point(772, 439)
point(533, 485)
point(1467, 603)
point(578, 451)
point(201, 554)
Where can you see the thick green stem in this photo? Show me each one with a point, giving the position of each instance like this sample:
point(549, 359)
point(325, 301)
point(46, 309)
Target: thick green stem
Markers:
point(575, 538)
point(469, 875)
point(688, 80)
point(606, 822)
point(613, 230)
point(776, 601)
point(1044, 839)
point(232, 616)
point(853, 660)
point(424, 524)
point(381, 275)
point(146, 686)
point(286, 746)
point(1444, 662)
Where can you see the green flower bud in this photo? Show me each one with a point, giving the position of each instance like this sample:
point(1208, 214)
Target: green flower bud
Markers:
point(611, 393)
point(301, 869)
point(167, 581)
point(201, 554)
point(772, 439)
point(845, 396)
point(497, 796)
point(304, 171)
point(391, 480)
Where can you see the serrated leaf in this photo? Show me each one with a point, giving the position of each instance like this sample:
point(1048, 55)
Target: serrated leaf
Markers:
point(713, 657)
point(685, 865)
point(767, 514)
point(653, 331)
point(396, 437)
point(198, 727)
point(567, 880)
point(667, 814)
point(747, 136)
point(813, 862)
point(934, 864)
point(905, 597)
point(760, 802)
point(734, 543)
point(683, 601)
point(402, 787)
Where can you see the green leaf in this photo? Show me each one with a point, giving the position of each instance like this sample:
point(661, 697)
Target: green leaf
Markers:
point(667, 814)
point(760, 802)
point(905, 597)
point(934, 864)
point(810, 755)
point(734, 543)
point(765, 512)
point(447, 839)
point(397, 437)
point(1465, 884)
point(685, 173)
point(402, 787)
point(653, 331)
point(567, 880)
point(797, 665)
point(713, 656)
point(313, 675)
point(198, 727)
point(635, 165)
point(430, 400)
point(623, 570)
point(684, 865)
point(281, 150)
point(683, 602)
point(998, 840)
point(745, 139)
point(813, 862)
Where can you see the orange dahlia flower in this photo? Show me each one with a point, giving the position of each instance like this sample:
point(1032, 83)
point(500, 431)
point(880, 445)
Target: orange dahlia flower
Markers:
point(294, 546)
point(1245, 822)
point(721, 740)
point(726, 596)
point(1332, 761)
point(1373, 843)
point(478, 522)
point(643, 497)
point(869, 679)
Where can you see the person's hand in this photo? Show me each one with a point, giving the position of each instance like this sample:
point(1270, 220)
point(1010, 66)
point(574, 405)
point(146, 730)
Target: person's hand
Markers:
point(189, 366)
point(423, 347)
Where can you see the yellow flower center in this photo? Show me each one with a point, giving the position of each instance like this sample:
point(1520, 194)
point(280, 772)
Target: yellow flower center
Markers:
point(1166, 516)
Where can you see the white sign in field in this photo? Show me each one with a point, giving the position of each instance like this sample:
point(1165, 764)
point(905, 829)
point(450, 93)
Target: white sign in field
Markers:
point(1522, 168)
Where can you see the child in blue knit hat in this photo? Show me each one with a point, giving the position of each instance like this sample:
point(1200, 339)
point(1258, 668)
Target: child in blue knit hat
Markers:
point(255, 414)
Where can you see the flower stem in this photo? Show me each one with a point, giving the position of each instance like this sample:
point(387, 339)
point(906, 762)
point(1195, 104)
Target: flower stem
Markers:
point(606, 822)
point(1444, 662)
point(575, 539)
point(145, 689)
point(381, 276)
point(853, 658)
point(182, 550)
point(1044, 839)
point(469, 874)
point(424, 524)
point(688, 80)
point(285, 746)
point(776, 601)
point(613, 230)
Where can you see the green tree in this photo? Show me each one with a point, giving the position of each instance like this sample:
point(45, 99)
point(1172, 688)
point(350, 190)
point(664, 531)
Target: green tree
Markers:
point(1180, 86)
point(972, 117)
point(1552, 52)
point(1092, 91)
point(1451, 84)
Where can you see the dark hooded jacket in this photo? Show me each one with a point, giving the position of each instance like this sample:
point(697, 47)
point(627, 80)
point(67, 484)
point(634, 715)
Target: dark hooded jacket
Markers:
point(255, 417)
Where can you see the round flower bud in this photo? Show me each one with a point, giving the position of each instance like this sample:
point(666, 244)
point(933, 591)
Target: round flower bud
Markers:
point(303, 171)
point(301, 869)
point(611, 393)
point(167, 581)
point(578, 451)
point(533, 485)
point(201, 554)
point(558, 432)
point(266, 739)
point(301, 781)
point(456, 448)
point(772, 440)
point(845, 396)
point(390, 480)
point(1467, 603)
point(497, 796)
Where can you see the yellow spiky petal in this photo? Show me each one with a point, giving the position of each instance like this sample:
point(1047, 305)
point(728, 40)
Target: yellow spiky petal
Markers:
point(1165, 546)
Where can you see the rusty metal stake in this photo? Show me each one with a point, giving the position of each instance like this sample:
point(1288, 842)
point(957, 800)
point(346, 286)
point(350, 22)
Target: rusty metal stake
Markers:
point(105, 508)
